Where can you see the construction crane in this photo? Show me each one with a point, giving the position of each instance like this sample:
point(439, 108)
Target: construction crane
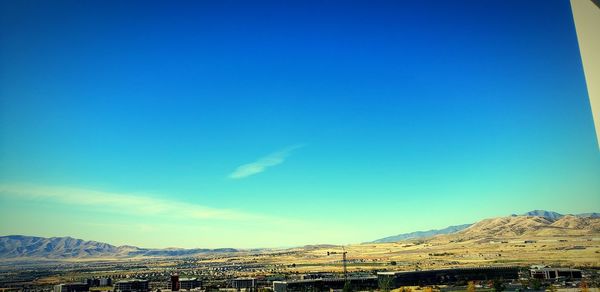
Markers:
point(343, 253)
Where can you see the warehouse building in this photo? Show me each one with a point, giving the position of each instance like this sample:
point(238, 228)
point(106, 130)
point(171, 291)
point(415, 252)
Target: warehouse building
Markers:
point(189, 283)
point(325, 284)
point(99, 282)
point(445, 276)
point(243, 283)
point(548, 273)
point(133, 285)
point(72, 287)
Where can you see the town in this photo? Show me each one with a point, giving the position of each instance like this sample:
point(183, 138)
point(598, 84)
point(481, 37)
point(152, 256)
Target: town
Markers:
point(185, 276)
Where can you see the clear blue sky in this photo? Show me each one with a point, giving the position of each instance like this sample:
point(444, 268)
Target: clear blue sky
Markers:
point(226, 123)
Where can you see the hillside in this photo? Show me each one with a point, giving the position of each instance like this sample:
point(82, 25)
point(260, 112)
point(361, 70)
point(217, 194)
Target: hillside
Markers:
point(506, 226)
point(529, 227)
point(591, 224)
point(19, 246)
point(529, 223)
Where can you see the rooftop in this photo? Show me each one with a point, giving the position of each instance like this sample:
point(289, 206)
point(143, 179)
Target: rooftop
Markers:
point(131, 281)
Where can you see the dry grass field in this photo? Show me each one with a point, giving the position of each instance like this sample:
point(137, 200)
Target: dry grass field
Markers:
point(513, 240)
point(442, 253)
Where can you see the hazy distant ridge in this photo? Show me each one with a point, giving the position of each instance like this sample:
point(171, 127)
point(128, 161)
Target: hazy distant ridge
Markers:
point(422, 234)
point(550, 215)
point(20, 246)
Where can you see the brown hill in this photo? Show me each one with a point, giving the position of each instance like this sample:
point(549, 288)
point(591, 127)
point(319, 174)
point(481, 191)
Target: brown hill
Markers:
point(506, 226)
point(529, 226)
point(588, 224)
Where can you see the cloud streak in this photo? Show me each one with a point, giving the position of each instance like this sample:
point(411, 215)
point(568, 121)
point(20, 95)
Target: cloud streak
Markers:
point(124, 203)
point(152, 220)
point(263, 163)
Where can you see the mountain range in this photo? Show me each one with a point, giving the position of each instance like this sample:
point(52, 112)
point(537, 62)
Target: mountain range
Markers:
point(550, 217)
point(537, 223)
point(20, 246)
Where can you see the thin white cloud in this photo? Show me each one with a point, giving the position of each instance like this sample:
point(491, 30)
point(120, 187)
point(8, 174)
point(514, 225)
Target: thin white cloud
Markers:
point(262, 164)
point(132, 204)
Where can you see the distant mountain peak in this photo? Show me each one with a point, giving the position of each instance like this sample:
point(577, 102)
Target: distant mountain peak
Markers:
point(550, 215)
point(591, 215)
point(423, 234)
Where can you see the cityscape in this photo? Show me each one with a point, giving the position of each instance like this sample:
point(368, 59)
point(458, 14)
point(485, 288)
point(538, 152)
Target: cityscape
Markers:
point(516, 252)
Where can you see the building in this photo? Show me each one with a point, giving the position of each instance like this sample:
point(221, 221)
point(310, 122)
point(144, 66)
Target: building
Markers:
point(296, 285)
point(548, 273)
point(174, 283)
point(189, 283)
point(99, 282)
point(105, 282)
point(317, 275)
point(325, 284)
point(185, 284)
point(446, 276)
point(132, 285)
point(243, 283)
point(72, 287)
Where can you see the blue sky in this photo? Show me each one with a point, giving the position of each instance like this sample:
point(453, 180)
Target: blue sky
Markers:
point(226, 123)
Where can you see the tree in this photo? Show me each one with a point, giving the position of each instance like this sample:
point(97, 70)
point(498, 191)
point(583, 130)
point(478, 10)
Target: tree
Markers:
point(471, 286)
point(584, 286)
point(385, 284)
point(535, 284)
point(499, 285)
point(347, 287)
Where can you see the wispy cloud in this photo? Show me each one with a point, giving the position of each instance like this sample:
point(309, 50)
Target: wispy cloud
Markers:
point(262, 164)
point(132, 204)
point(147, 219)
